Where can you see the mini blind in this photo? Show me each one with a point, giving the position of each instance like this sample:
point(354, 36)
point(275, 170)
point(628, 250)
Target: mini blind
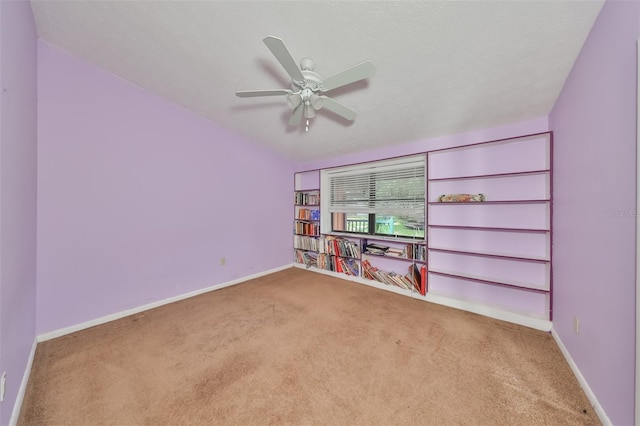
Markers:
point(394, 187)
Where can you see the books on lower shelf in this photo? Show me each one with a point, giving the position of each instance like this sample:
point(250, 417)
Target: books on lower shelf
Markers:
point(414, 280)
point(344, 265)
point(328, 253)
point(308, 258)
point(340, 254)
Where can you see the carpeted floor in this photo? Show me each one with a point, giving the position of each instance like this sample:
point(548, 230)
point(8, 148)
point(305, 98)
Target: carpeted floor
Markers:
point(302, 348)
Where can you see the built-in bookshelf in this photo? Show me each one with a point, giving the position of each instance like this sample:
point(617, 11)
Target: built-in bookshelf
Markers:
point(352, 256)
point(306, 224)
point(489, 228)
point(488, 234)
point(306, 230)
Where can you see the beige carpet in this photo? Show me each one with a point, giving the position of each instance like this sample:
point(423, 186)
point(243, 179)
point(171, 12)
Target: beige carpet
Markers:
point(301, 348)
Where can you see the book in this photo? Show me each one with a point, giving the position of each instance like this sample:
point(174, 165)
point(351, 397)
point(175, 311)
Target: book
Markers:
point(377, 247)
point(414, 274)
point(395, 252)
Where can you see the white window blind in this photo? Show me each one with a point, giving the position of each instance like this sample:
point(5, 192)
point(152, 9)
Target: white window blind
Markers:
point(395, 187)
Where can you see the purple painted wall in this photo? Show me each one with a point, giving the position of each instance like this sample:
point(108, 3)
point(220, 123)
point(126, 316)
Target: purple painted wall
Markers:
point(18, 142)
point(537, 125)
point(594, 124)
point(138, 199)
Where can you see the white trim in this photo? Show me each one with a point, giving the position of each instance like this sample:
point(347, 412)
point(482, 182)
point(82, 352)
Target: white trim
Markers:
point(490, 311)
point(583, 383)
point(477, 308)
point(107, 318)
point(23, 385)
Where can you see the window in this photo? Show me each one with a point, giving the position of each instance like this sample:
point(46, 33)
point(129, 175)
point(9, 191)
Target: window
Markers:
point(379, 198)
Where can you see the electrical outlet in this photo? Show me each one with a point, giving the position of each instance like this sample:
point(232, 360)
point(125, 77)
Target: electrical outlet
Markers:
point(576, 325)
point(223, 261)
point(3, 385)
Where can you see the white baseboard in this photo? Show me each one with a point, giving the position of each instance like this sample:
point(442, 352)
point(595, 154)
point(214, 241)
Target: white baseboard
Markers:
point(23, 385)
point(476, 308)
point(107, 318)
point(583, 383)
point(490, 311)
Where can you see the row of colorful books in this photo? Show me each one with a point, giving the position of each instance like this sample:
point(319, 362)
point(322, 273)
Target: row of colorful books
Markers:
point(330, 245)
point(306, 199)
point(306, 228)
point(414, 280)
point(339, 247)
point(305, 242)
point(344, 265)
point(308, 214)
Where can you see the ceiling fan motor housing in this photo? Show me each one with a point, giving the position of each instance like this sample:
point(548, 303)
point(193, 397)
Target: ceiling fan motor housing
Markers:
point(311, 81)
point(305, 93)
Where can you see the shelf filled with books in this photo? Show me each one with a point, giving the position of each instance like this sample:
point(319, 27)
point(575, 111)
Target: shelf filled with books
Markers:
point(307, 198)
point(343, 265)
point(398, 263)
point(307, 212)
point(339, 254)
point(413, 280)
point(308, 258)
point(306, 224)
point(306, 228)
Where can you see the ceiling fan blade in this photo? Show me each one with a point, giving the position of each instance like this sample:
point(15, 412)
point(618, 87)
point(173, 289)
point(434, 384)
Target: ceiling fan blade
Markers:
point(338, 108)
point(296, 117)
point(353, 74)
point(279, 50)
point(254, 93)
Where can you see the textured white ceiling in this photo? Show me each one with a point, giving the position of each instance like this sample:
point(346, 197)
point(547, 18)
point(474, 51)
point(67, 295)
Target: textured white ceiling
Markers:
point(443, 67)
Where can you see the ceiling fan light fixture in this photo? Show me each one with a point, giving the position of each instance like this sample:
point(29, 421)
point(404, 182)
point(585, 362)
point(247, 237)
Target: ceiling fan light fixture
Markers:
point(294, 100)
point(309, 112)
point(317, 101)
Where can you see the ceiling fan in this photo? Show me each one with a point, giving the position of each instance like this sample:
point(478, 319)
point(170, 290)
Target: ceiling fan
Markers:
point(307, 86)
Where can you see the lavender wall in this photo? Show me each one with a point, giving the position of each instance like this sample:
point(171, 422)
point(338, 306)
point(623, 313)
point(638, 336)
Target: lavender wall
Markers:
point(594, 124)
point(537, 125)
point(139, 199)
point(18, 139)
